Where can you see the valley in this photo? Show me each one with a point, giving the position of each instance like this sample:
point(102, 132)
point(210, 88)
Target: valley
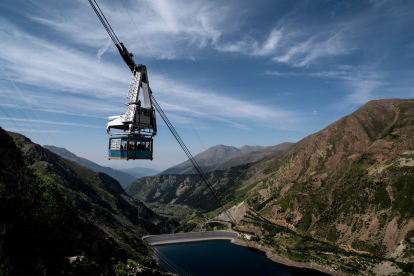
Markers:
point(338, 201)
point(344, 191)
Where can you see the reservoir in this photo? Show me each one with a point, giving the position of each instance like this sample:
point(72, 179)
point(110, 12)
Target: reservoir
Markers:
point(221, 258)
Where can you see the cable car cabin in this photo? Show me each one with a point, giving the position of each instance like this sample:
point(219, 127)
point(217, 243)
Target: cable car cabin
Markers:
point(130, 147)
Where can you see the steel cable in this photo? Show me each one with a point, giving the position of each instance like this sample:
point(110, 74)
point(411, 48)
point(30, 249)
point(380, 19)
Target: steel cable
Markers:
point(201, 173)
point(23, 114)
point(28, 104)
point(172, 263)
point(174, 132)
point(10, 118)
point(111, 35)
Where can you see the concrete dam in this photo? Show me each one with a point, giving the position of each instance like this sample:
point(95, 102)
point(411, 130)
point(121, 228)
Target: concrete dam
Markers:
point(190, 237)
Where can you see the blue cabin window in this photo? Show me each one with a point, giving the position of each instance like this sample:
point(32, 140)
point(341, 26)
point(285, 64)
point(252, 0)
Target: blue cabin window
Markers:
point(132, 144)
point(124, 144)
point(115, 144)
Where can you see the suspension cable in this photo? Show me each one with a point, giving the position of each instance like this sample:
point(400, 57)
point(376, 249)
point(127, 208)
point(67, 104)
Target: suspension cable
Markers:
point(23, 114)
point(202, 175)
point(172, 129)
point(11, 119)
point(104, 22)
point(27, 103)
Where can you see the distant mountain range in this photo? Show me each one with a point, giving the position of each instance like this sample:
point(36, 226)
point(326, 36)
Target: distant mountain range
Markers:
point(253, 156)
point(138, 172)
point(124, 176)
point(223, 157)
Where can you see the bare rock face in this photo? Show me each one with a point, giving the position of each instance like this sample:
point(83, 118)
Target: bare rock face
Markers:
point(235, 213)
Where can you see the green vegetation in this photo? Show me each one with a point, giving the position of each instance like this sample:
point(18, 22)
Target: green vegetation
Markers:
point(304, 248)
point(404, 191)
point(57, 209)
point(184, 228)
point(405, 116)
point(212, 226)
point(241, 193)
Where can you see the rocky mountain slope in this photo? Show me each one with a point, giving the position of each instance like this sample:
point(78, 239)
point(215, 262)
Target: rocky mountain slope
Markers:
point(188, 190)
point(123, 178)
point(52, 209)
point(253, 156)
point(350, 185)
point(224, 157)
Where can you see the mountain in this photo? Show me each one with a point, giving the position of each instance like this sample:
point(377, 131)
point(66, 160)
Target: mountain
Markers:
point(52, 209)
point(123, 177)
point(138, 172)
point(341, 197)
point(253, 156)
point(188, 190)
point(211, 158)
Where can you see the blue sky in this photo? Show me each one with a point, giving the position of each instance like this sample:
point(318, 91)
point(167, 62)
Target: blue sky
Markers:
point(244, 72)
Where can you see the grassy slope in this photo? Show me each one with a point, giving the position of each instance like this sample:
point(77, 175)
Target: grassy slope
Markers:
point(108, 226)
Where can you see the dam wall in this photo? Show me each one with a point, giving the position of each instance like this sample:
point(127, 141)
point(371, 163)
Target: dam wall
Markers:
point(190, 237)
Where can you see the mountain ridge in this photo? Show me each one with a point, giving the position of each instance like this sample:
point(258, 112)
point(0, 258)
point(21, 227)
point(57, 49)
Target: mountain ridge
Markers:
point(138, 172)
point(123, 178)
point(215, 157)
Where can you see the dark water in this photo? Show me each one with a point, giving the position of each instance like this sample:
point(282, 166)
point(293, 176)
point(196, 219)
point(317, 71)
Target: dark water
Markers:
point(221, 258)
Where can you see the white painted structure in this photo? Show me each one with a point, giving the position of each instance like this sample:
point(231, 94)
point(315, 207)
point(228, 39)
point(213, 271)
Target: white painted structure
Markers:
point(138, 120)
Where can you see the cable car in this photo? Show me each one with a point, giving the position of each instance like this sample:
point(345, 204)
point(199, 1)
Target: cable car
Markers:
point(137, 126)
point(130, 147)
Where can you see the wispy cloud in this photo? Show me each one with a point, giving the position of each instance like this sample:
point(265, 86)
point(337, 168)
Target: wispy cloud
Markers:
point(250, 46)
point(184, 24)
point(47, 122)
point(360, 82)
point(103, 50)
point(200, 103)
point(292, 46)
point(98, 89)
point(310, 51)
point(30, 130)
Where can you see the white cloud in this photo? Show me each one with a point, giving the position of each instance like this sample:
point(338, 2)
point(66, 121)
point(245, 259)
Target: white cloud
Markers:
point(311, 50)
point(33, 130)
point(73, 82)
point(250, 46)
point(47, 122)
point(290, 47)
point(183, 24)
point(103, 50)
point(361, 82)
